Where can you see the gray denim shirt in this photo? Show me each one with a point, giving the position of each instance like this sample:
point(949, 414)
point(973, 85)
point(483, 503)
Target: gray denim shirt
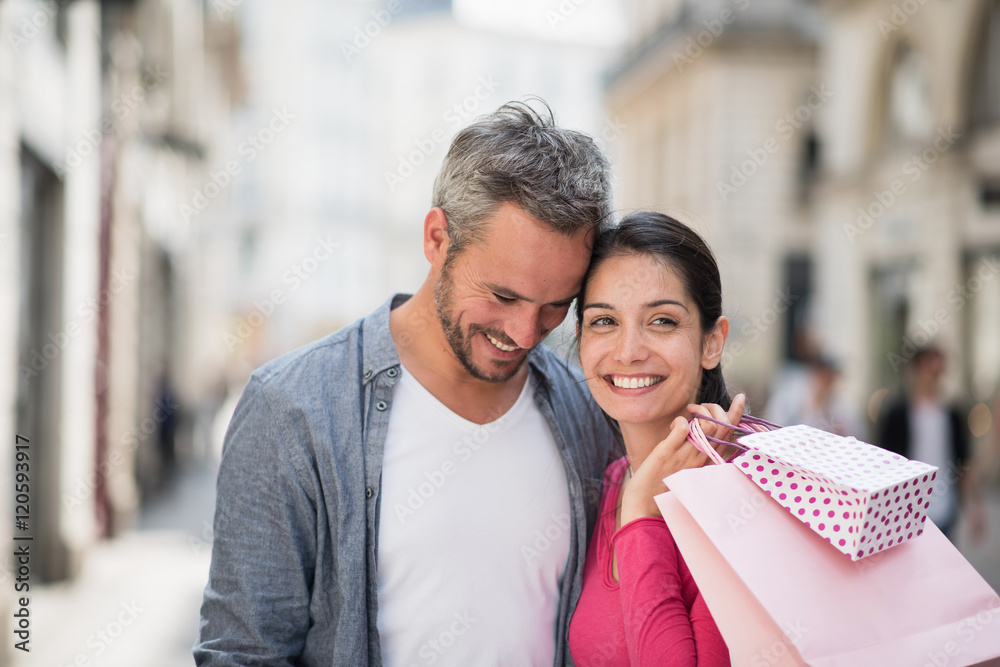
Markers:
point(293, 577)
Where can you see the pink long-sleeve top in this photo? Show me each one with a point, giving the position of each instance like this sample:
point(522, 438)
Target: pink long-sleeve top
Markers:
point(654, 614)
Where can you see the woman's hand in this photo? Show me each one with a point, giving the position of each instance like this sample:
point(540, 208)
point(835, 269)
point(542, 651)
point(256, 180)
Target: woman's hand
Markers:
point(676, 453)
point(670, 455)
point(713, 430)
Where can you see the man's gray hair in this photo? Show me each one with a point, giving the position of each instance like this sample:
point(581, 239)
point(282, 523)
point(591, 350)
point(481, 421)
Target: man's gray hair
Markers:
point(519, 155)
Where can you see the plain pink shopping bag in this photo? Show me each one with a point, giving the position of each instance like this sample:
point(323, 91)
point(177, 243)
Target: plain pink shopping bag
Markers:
point(782, 595)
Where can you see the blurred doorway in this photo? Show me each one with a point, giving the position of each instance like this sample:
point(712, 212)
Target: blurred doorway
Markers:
point(41, 339)
point(890, 310)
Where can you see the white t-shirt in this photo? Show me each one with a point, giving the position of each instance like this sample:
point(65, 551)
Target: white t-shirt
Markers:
point(930, 435)
point(473, 535)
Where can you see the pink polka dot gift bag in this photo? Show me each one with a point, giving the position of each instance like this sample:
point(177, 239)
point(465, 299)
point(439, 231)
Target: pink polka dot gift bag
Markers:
point(784, 594)
point(860, 498)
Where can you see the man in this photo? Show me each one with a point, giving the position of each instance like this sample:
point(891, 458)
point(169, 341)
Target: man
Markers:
point(417, 488)
point(921, 426)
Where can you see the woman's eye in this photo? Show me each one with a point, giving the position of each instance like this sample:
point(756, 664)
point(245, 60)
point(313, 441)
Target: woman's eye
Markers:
point(665, 321)
point(601, 321)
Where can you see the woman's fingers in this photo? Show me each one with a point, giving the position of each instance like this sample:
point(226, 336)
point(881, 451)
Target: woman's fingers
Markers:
point(667, 449)
point(737, 408)
point(716, 412)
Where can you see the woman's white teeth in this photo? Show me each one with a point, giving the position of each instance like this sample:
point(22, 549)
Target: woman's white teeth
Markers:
point(634, 382)
point(501, 346)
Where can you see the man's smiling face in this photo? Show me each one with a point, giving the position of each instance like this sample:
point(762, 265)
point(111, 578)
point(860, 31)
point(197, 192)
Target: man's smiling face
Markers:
point(500, 297)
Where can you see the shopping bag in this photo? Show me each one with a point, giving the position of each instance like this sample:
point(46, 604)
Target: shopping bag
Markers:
point(860, 498)
point(781, 596)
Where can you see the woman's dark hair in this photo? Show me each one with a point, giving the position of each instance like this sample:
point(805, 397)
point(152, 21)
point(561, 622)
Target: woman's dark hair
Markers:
point(678, 246)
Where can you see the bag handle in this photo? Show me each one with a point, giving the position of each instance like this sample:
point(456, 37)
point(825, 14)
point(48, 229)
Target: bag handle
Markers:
point(748, 424)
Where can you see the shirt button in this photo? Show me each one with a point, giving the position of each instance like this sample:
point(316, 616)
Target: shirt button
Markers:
point(368, 374)
point(368, 492)
point(393, 372)
point(381, 406)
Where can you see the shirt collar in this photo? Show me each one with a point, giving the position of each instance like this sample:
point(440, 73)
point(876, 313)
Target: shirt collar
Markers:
point(378, 350)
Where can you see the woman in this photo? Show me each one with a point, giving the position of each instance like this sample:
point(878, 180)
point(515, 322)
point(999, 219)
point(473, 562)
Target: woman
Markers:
point(651, 334)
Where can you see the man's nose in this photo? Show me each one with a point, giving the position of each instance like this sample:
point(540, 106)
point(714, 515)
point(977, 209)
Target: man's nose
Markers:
point(526, 328)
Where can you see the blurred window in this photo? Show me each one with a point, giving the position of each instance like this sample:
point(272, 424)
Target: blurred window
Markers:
point(889, 309)
point(809, 165)
point(985, 102)
point(41, 324)
point(798, 270)
point(982, 322)
point(911, 118)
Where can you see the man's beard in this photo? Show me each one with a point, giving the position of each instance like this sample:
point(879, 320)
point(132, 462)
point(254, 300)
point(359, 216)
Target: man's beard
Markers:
point(461, 344)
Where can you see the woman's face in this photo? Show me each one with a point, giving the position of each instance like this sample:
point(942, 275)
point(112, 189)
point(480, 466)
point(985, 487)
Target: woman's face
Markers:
point(641, 345)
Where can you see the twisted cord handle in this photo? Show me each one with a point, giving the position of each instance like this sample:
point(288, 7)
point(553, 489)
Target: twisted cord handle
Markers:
point(748, 424)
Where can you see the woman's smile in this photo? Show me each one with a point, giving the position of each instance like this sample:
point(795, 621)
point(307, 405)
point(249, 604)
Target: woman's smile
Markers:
point(633, 382)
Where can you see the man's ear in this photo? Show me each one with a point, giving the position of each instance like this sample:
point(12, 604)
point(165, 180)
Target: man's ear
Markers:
point(714, 342)
point(436, 236)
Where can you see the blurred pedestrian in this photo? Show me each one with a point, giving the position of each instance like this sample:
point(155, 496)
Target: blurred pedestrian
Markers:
point(920, 425)
point(815, 401)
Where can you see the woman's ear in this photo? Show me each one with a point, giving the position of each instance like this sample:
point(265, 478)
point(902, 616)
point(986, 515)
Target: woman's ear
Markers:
point(436, 237)
point(714, 342)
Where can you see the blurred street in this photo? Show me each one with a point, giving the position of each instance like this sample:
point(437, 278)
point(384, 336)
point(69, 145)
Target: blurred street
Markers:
point(136, 601)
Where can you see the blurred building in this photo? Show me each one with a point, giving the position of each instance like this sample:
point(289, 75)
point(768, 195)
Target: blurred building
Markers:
point(105, 107)
point(906, 208)
point(842, 159)
point(719, 101)
point(326, 221)
point(50, 75)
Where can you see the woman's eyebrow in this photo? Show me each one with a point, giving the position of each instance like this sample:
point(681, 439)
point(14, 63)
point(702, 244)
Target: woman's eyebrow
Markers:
point(665, 302)
point(651, 304)
point(605, 306)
